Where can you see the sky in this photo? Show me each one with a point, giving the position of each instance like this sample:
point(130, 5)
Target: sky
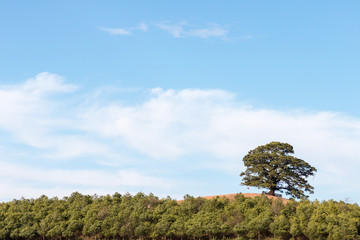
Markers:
point(167, 97)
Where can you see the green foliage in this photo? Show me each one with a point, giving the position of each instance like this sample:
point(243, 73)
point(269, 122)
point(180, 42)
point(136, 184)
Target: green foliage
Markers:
point(271, 166)
point(148, 217)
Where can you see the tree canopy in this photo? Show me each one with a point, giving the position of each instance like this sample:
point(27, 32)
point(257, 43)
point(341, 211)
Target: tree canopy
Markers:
point(273, 167)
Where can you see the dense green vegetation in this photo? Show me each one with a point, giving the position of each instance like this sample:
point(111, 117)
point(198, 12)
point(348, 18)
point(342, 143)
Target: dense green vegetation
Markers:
point(148, 217)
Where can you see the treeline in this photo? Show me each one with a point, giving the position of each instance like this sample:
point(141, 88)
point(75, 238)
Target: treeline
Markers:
point(148, 217)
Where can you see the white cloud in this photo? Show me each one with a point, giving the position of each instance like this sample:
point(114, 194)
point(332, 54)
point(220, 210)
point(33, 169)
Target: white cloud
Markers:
point(20, 104)
point(47, 82)
point(116, 31)
point(178, 126)
point(176, 30)
point(208, 32)
point(170, 118)
point(33, 119)
point(125, 31)
point(174, 123)
point(183, 30)
point(143, 27)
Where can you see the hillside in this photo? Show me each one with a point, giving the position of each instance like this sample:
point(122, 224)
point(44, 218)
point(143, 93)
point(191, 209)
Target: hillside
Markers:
point(248, 195)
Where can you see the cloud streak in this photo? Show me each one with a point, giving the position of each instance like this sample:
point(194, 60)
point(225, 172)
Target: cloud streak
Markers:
point(208, 32)
point(178, 30)
point(125, 31)
point(116, 31)
point(183, 30)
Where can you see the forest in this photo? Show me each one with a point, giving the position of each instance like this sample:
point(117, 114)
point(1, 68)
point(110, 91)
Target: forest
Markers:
point(144, 217)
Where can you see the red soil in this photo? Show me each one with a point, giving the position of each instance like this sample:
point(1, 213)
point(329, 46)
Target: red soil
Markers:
point(249, 195)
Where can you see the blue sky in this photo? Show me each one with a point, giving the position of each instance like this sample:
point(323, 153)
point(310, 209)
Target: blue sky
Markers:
point(168, 96)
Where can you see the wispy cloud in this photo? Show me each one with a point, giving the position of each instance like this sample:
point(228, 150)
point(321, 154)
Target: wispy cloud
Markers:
point(142, 26)
point(178, 30)
point(214, 31)
point(116, 31)
point(125, 31)
point(183, 30)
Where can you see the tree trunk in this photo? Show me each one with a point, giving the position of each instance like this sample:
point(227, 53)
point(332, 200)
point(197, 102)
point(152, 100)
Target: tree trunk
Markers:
point(272, 192)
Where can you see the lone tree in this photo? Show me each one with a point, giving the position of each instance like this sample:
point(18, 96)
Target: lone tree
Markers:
point(271, 166)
